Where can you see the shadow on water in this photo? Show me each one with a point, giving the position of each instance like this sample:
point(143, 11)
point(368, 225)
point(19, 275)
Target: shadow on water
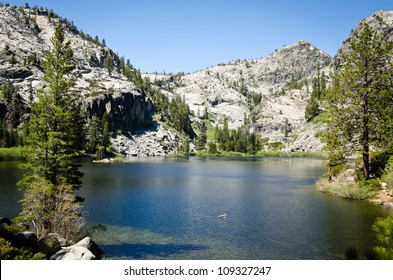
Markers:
point(148, 251)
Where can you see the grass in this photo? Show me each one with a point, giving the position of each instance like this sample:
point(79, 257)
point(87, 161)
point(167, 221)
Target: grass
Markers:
point(205, 153)
point(359, 191)
point(13, 153)
point(290, 154)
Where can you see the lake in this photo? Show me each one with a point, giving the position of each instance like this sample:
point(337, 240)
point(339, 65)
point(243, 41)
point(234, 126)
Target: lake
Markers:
point(156, 208)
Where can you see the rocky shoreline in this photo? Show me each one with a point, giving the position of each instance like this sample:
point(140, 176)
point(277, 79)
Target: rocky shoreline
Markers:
point(17, 242)
point(153, 142)
point(345, 185)
point(385, 197)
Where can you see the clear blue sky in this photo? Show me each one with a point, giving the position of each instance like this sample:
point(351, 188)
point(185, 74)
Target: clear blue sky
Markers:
point(189, 35)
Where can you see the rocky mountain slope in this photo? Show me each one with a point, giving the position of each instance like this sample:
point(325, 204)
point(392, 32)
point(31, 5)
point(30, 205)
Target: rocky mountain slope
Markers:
point(270, 94)
point(374, 21)
point(267, 96)
point(24, 40)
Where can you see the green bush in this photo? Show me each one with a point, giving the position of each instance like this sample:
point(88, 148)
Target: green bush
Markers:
point(13, 153)
point(359, 191)
point(9, 252)
point(276, 146)
point(388, 172)
point(379, 161)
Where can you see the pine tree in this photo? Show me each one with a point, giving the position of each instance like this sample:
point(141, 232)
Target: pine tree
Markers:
point(108, 63)
point(2, 133)
point(8, 90)
point(384, 231)
point(186, 147)
point(55, 130)
point(202, 139)
point(360, 103)
point(98, 138)
point(212, 148)
point(318, 91)
point(106, 132)
point(94, 135)
point(12, 117)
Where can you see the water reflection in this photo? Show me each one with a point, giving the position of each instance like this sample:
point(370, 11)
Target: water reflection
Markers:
point(168, 208)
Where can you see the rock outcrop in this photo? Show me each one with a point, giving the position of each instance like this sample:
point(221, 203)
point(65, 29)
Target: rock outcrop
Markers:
point(83, 250)
point(24, 40)
point(53, 246)
point(156, 141)
point(126, 110)
point(385, 28)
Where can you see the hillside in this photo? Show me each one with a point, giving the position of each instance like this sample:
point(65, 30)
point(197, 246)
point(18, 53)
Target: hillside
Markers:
point(267, 96)
point(25, 38)
point(271, 92)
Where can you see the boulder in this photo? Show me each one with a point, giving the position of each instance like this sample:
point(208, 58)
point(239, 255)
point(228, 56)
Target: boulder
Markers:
point(96, 250)
point(4, 220)
point(63, 254)
point(85, 249)
point(51, 244)
point(348, 177)
point(82, 253)
point(92, 246)
point(104, 160)
point(26, 239)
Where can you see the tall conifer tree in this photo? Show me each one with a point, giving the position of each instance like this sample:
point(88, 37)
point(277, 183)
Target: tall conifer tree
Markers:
point(360, 102)
point(55, 128)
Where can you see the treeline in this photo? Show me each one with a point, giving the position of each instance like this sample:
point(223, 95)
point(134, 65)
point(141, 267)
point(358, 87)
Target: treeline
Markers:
point(9, 133)
point(313, 108)
point(14, 125)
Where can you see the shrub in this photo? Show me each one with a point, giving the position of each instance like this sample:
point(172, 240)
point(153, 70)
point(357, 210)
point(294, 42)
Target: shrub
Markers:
point(359, 191)
point(388, 172)
point(276, 146)
point(9, 252)
point(379, 161)
point(13, 153)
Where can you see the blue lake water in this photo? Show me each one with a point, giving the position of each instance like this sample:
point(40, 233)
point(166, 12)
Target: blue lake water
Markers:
point(168, 209)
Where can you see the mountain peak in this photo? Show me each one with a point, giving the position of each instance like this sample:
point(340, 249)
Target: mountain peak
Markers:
point(381, 22)
point(302, 45)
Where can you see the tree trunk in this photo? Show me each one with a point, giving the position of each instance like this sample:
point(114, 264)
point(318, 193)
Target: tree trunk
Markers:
point(366, 161)
point(366, 140)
